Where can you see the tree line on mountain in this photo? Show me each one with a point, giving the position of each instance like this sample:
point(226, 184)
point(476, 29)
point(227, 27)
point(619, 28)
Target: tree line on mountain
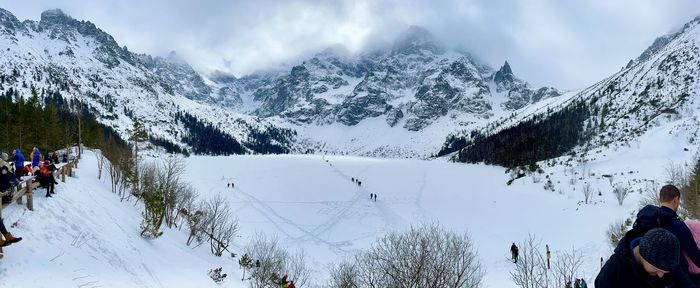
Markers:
point(204, 138)
point(543, 136)
point(47, 121)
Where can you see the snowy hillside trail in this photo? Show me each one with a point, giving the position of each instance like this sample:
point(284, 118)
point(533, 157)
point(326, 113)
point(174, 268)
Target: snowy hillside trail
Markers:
point(85, 237)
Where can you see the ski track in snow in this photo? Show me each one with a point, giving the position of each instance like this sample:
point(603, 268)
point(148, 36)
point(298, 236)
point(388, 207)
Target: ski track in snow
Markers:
point(267, 211)
point(344, 209)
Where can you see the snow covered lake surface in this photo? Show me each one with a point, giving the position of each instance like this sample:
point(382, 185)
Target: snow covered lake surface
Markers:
point(86, 237)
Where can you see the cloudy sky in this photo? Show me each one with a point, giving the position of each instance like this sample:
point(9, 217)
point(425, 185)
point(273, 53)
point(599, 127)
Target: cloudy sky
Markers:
point(566, 44)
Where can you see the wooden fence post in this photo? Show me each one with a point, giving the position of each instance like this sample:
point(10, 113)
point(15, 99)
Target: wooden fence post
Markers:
point(19, 199)
point(30, 199)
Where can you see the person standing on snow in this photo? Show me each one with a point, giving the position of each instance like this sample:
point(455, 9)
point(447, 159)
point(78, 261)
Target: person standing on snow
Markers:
point(514, 252)
point(19, 163)
point(36, 157)
point(549, 256)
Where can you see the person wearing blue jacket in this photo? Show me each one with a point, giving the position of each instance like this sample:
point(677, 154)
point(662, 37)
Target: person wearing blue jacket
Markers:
point(19, 163)
point(36, 157)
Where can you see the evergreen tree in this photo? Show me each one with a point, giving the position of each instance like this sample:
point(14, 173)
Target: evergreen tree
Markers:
point(245, 262)
point(138, 135)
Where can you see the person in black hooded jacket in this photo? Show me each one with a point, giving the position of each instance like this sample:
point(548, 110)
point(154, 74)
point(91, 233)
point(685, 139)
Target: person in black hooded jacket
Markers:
point(670, 200)
point(649, 261)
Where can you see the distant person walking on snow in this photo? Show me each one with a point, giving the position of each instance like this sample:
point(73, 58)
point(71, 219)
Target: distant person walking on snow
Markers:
point(353, 179)
point(359, 183)
point(549, 256)
point(371, 196)
point(514, 252)
point(375, 197)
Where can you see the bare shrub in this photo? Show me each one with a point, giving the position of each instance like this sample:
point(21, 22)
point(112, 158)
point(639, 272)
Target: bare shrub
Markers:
point(275, 260)
point(621, 191)
point(426, 256)
point(531, 269)
point(566, 266)
point(587, 192)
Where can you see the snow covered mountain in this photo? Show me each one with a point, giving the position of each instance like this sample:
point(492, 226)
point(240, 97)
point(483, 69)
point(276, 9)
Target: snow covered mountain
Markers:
point(660, 86)
point(77, 60)
point(417, 90)
point(397, 102)
point(418, 80)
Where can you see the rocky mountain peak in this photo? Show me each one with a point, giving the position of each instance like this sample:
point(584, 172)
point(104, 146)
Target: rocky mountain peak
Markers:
point(9, 21)
point(56, 16)
point(505, 74)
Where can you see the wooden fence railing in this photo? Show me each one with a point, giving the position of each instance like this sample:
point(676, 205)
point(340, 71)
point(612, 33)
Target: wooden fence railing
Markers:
point(26, 186)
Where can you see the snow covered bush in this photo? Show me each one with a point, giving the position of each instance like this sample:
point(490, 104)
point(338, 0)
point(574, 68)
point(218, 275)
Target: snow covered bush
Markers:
point(650, 194)
point(677, 174)
point(194, 217)
point(427, 256)
point(344, 275)
point(275, 260)
point(621, 191)
point(211, 221)
point(152, 192)
point(566, 266)
point(587, 192)
point(220, 225)
point(216, 275)
point(617, 230)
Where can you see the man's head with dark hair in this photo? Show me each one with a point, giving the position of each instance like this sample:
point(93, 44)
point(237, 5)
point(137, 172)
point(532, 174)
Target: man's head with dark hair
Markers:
point(670, 197)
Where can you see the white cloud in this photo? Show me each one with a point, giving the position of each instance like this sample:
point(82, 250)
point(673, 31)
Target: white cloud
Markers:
point(566, 44)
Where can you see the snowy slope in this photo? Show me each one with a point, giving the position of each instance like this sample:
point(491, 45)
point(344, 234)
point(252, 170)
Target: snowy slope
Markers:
point(85, 237)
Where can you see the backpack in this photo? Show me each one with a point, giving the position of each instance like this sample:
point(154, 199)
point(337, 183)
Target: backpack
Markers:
point(694, 227)
point(45, 171)
point(648, 218)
